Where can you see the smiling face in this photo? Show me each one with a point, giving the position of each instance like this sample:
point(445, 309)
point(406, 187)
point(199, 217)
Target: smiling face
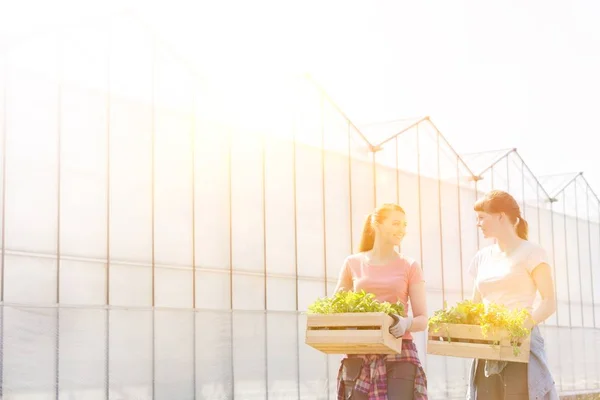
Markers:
point(391, 230)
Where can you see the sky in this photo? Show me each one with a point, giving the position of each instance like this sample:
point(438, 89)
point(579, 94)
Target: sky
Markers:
point(491, 75)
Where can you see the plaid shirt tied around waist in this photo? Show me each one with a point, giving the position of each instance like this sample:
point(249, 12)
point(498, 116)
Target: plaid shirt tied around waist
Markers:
point(372, 379)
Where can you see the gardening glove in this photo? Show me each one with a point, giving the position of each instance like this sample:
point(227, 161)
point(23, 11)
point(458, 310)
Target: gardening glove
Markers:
point(401, 326)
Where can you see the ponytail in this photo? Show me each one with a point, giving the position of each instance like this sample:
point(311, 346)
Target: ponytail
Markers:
point(522, 228)
point(367, 239)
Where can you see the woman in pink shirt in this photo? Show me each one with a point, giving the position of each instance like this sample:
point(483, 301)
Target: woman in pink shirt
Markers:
point(379, 269)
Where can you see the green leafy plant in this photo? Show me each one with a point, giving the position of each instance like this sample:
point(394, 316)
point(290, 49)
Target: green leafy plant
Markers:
point(354, 302)
point(490, 318)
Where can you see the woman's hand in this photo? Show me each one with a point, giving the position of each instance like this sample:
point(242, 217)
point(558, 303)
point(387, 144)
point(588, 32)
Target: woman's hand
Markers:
point(401, 326)
point(529, 323)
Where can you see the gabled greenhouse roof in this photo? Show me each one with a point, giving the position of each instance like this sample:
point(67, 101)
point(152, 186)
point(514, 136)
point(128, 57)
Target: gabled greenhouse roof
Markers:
point(480, 162)
point(574, 192)
point(557, 183)
point(378, 133)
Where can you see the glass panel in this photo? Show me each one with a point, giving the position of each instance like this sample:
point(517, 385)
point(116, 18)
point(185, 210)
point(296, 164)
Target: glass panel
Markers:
point(362, 194)
point(130, 182)
point(385, 174)
point(3, 118)
point(25, 329)
point(480, 161)
point(312, 365)
point(309, 203)
point(173, 287)
point(83, 186)
point(469, 236)
point(457, 370)
point(212, 182)
point(562, 274)
point(408, 160)
point(282, 358)
point(428, 151)
point(573, 270)
point(31, 165)
point(577, 359)
point(409, 201)
point(590, 365)
point(333, 363)
point(82, 360)
point(280, 230)
point(30, 280)
point(431, 234)
point(212, 289)
point(308, 292)
point(517, 181)
point(436, 374)
point(552, 348)
point(214, 369)
point(174, 354)
point(378, 132)
point(130, 285)
point(281, 294)
point(249, 354)
point(247, 202)
point(451, 246)
point(533, 222)
point(595, 281)
point(585, 273)
point(173, 190)
point(82, 282)
point(547, 231)
point(335, 127)
point(248, 292)
point(337, 213)
point(130, 354)
point(567, 369)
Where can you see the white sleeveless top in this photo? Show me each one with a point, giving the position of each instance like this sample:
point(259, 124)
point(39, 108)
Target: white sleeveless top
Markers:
point(506, 278)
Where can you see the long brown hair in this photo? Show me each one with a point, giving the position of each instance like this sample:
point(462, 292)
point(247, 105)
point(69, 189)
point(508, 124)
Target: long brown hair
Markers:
point(367, 239)
point(498, 201)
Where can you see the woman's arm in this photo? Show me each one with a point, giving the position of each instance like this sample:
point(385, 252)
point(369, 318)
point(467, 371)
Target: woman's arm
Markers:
point(418, 304)
point(543, 281)
point(476, 296)
point(344, 282)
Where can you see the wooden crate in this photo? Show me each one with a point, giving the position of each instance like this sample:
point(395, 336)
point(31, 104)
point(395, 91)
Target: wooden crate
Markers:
point(467, 341)
point(352, 333)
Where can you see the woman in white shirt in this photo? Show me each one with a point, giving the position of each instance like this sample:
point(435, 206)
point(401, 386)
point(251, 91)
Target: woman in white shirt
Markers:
point(510, 272)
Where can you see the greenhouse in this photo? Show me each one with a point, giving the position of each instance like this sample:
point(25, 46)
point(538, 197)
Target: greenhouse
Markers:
point(162, 240)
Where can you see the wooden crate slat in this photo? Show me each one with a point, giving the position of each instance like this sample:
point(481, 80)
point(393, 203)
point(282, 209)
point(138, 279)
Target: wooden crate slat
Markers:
point(470, 332)
point(362, 349)
point(475, 350)
point(350, 336)
point(459, 345)
point(364, 333)
point(466, 332)
point(348, 319)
